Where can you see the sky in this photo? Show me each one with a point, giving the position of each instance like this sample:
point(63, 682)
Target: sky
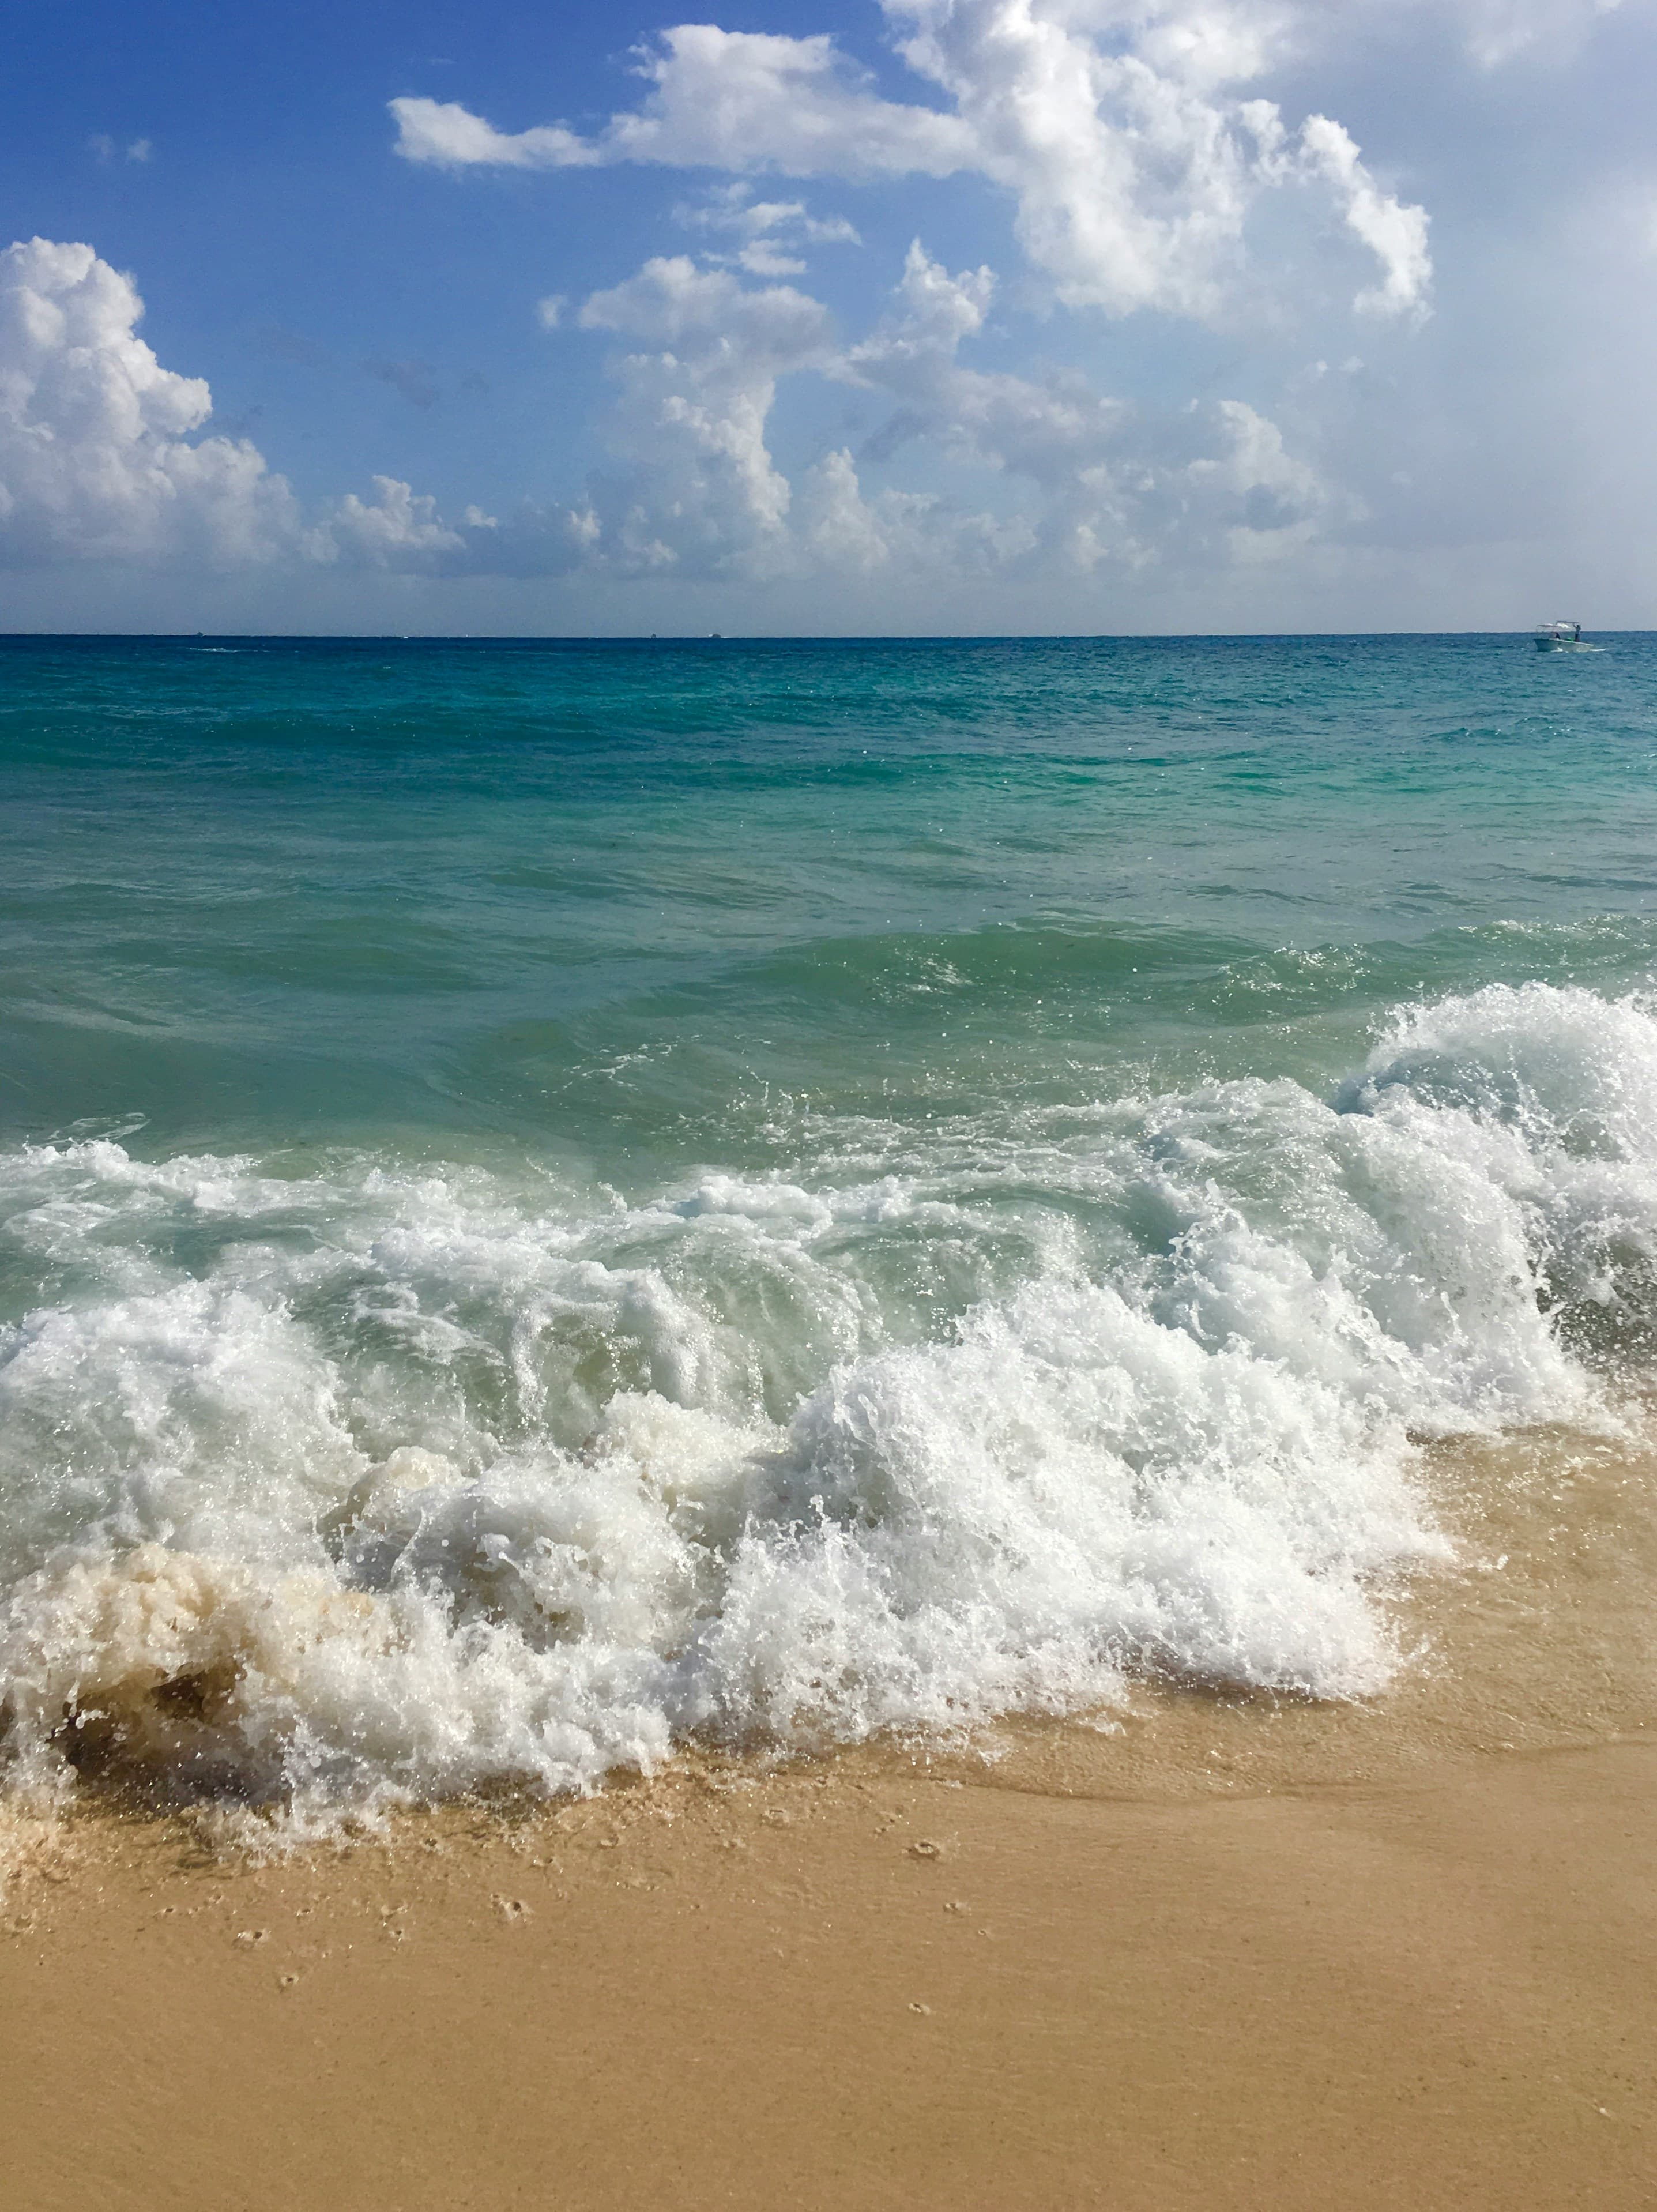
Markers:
point(845, 317)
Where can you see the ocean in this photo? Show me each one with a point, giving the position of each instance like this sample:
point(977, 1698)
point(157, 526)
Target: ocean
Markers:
point(563, 1202)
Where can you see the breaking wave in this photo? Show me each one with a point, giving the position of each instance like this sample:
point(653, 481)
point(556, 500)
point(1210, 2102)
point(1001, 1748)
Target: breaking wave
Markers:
point(359, 1482)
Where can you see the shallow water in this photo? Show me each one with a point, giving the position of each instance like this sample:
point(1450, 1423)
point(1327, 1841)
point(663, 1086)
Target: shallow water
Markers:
point(557, 1201)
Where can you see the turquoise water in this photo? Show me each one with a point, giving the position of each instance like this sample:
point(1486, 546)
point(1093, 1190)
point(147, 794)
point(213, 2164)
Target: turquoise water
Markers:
point(603, 895)
point(561, 1196)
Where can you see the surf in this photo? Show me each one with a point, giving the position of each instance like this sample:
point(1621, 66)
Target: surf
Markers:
point(383, 1480)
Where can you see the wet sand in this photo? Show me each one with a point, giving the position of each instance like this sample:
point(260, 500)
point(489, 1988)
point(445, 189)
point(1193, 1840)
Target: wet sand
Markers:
point(859, 1984)
point(1221, 1951)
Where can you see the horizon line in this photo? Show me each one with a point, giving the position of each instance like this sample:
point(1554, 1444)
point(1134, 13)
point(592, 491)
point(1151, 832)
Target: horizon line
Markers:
point(748, 637)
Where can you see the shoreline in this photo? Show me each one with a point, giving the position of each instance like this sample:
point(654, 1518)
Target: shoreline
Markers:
point(860, 1982)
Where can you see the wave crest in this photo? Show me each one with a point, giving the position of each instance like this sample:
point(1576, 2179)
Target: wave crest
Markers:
point(392, 1482)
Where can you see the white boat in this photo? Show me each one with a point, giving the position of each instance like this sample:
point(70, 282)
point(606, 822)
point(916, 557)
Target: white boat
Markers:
point(1560, 637)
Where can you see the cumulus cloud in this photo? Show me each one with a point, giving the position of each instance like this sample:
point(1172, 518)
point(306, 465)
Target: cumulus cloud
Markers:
point(1117, 126)
point(398, 529)
point(718, 100)
point(694, 396)
point(903, 534)
point(1137, 160)
point(1092, 482)
point(1135, 150)
point(96, 458)
point(1113, 484)
point(1045, 430)
point(1133, 178)
point(99, 459)
point(1396, 235)
point(1271, 502)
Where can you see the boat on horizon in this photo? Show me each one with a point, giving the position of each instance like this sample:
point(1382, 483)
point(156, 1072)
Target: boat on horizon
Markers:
point(1560, 637)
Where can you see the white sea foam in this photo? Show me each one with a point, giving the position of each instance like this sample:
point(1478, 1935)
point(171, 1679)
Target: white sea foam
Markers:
point(387, 1482)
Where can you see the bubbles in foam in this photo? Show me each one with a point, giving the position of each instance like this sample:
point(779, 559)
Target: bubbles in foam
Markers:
point(385, 1482)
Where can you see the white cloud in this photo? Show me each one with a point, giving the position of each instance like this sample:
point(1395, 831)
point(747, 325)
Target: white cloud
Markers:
point(772, 233)
point(1396, 235)
point(702, 495)
point(905, 535)
point(692, 407)
point(1277, 500)
point(398, 529)
point(719, 99)
point(1045, 431)
point(96, 458)
point(1115, 124)
point(1093, 481)
point(1133, 182)
point(1114, 484)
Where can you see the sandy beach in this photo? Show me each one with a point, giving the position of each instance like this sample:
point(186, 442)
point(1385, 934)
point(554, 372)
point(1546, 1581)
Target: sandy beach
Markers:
point(858, 1983)
point(829, 1108)
point(932, 1363)
point(1218, 1950)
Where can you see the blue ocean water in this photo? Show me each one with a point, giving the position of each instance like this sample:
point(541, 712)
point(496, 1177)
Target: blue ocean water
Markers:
point(556, 1198)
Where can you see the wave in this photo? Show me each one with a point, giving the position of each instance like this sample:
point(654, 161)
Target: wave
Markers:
point(369, 1481)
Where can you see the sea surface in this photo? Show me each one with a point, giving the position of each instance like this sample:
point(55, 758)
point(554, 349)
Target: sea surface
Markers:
point(563, 1200)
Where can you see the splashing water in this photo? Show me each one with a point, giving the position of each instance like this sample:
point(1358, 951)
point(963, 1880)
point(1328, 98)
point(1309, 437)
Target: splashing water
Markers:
point(385, 1482)
point(770, 1198)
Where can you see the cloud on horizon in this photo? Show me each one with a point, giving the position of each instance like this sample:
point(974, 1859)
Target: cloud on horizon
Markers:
point(952, 434)
point(96, 461)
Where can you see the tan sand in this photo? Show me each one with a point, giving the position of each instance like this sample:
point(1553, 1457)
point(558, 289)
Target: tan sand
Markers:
point(1224, 1952)
point(861, 1985)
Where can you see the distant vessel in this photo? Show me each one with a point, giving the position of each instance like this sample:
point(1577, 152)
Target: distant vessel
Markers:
point(1560, 637)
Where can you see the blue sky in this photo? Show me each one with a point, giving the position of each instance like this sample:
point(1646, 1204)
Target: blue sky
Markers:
point(942, 315)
